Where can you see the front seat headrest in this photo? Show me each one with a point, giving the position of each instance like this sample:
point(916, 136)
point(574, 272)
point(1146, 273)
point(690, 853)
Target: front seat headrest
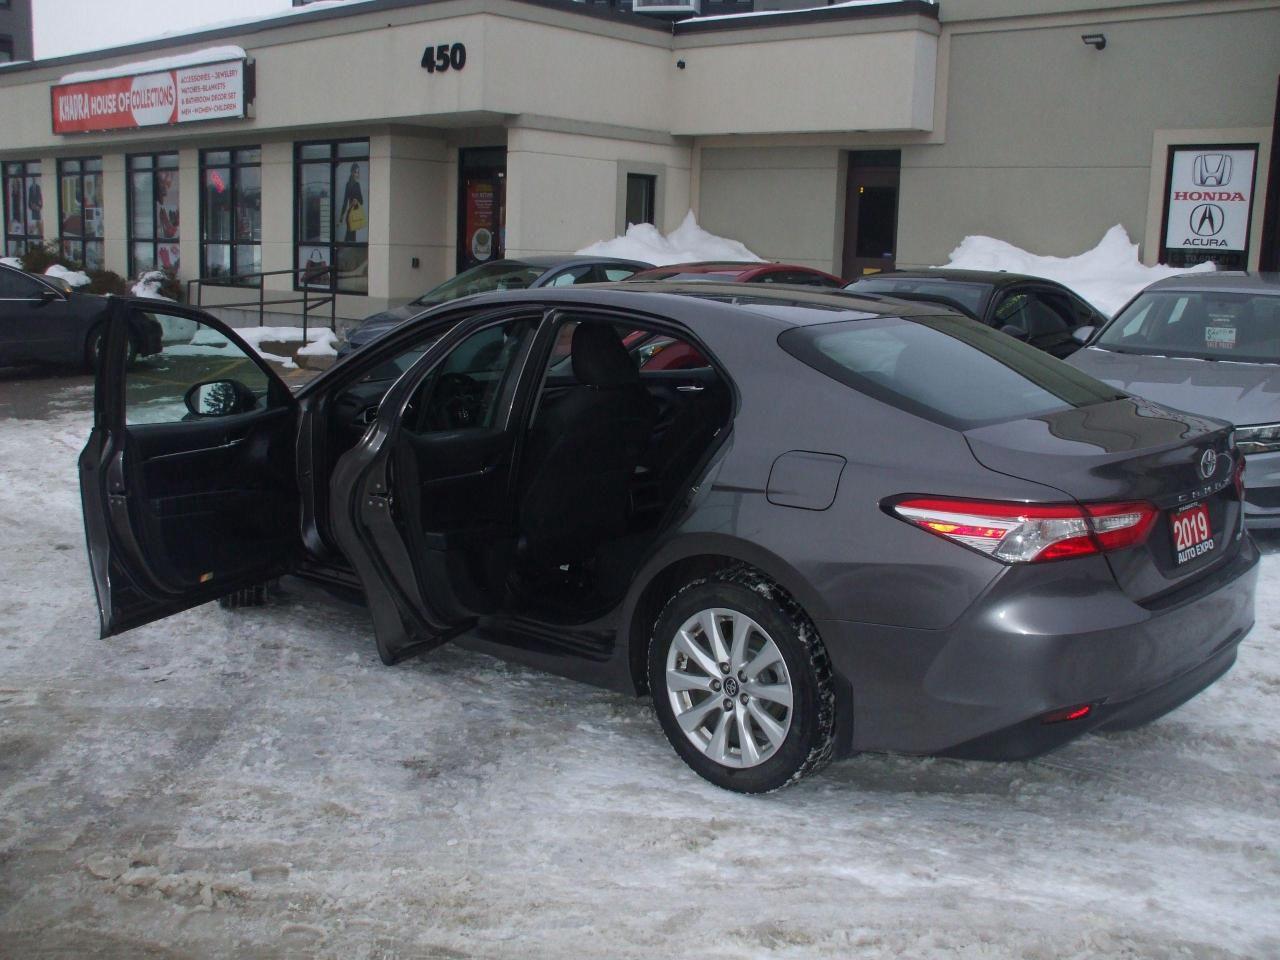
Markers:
point(600, 359)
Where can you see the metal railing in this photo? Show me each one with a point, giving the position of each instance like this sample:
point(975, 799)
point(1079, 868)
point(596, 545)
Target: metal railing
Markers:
point(304, 275)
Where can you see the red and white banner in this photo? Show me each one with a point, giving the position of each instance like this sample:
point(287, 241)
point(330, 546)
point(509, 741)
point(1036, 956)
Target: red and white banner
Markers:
point(205, 92)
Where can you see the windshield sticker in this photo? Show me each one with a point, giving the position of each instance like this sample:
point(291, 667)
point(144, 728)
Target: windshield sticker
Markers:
point(1220, 338)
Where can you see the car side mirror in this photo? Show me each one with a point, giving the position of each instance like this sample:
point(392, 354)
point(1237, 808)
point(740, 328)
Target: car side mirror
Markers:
point(1016, 332)
point(1081, 335)
point(220, 398)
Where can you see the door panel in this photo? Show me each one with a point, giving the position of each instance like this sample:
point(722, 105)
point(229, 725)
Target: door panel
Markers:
point(422, 503)
point(181, 507)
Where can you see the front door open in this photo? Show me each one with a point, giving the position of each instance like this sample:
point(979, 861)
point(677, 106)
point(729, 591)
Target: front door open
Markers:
point(187, 480)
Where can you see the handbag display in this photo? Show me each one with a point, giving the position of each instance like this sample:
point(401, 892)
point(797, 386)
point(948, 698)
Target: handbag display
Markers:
point(357, 219)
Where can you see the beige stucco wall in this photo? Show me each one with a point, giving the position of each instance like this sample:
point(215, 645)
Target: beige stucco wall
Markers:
point(782, 202)
point(1049, 142)
point(562, 188)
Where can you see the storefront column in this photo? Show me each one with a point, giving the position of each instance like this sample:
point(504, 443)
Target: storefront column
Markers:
point(409, 216)
point(188, 215)
point(277, 216)
point(115, 214)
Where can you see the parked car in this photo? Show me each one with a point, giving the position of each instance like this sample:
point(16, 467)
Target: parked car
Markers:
point(46, 320)
point(1037, 311)
point(1210, 344)
point(859, 526)
point(745, 271)
point(525, 273)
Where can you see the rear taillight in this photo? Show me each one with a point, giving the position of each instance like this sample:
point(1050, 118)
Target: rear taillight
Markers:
point(1028, 532)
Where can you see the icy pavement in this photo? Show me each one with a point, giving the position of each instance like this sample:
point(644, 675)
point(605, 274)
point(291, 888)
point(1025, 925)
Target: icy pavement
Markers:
point(256, 784)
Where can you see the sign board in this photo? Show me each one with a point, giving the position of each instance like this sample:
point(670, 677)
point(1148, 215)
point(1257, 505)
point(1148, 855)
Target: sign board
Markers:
point(1208, 204)
point(210, 91)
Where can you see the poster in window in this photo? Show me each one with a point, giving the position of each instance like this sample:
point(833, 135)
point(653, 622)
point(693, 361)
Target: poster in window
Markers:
point(168, 257)
point(35, 206)
point(481, 237)
point(352, 225)
point(13, 204)
point(313, 266)
point(167, 205)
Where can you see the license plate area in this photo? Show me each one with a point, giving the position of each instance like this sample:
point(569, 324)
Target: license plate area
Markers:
point(1192, 533)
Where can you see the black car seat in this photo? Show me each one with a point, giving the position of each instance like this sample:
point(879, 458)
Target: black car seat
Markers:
point(583, 451)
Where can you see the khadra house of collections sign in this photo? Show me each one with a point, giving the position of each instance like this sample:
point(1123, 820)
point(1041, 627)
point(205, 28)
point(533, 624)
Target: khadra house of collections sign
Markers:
point(183, 94)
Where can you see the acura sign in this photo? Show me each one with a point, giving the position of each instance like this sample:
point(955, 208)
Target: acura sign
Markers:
point(1208, 205)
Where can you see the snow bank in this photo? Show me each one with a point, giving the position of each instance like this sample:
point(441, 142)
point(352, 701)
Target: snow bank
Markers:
point(687, 242)
point(320, 342)
point(1107, 276)
point(76, 278)
point(148, 285)
point(11, 262)
point(324, 345)
point(158, 65)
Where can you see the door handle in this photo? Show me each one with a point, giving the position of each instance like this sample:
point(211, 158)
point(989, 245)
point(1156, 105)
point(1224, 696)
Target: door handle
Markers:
point(690, 388)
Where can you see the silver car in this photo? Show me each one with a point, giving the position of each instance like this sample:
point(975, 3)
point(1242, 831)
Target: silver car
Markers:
point(1208, 344)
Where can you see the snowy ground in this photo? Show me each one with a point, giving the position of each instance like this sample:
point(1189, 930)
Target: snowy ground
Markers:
point(256, 784)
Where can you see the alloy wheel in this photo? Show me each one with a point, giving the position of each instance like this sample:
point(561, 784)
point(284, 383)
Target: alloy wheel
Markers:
point(729, 688)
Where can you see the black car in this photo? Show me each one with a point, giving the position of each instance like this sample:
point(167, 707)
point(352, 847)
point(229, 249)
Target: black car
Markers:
point(522, 274)
point(855, 525)
point(44, 320)
point(1040, 312)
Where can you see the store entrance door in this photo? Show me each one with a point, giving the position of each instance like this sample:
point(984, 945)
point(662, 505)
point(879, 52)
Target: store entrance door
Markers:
point(871, 212)
point(482, 206)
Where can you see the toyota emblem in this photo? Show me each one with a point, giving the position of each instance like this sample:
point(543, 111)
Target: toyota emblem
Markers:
point(1208, 464)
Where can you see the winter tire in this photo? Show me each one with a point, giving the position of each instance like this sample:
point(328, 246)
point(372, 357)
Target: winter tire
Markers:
point(93, 349)
point(741, 683)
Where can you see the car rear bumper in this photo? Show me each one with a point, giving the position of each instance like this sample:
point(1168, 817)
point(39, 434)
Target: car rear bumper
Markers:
point(1041, 640)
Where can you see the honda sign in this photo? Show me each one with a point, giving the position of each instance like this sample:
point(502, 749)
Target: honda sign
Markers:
point(1208, 205)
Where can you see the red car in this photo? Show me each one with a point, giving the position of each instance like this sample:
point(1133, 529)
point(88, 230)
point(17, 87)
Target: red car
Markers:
point(742, 272)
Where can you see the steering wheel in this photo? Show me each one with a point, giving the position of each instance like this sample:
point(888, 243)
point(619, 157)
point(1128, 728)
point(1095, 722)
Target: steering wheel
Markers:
point(457, 401)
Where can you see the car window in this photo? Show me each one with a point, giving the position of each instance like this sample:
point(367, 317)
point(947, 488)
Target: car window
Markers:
point(948, 369)
point(1209, 324)
point(18, 286)
point(190, 354)
point(665, 352)
point(487, 277)
point(970, 295)
point(1039, 314)
point(616, 273)
point(567, 278)
point(469, 388)
point(800, 277)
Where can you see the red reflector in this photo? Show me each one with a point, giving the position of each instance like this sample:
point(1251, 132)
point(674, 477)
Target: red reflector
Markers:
point(1071, 713)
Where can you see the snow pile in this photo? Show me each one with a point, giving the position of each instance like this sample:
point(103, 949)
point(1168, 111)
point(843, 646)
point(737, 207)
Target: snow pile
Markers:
point(1107, 276)
point(11, 262)
point(77, 278)
point(148, 285)
point(158, 65)
point(687, 242)
point(321, 343)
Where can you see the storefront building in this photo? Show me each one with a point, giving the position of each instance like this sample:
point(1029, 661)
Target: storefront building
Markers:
point(375, 149)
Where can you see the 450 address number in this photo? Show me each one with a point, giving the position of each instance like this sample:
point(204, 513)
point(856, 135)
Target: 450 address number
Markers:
point(443, 57)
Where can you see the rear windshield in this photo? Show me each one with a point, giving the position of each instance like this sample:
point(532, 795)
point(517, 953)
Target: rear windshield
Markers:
point(969, 295)
point(951, 370)
point(1208, 324)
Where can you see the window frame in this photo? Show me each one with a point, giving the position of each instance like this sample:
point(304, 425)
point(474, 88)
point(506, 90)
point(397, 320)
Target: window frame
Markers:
point(83, 239)
point(25, 238)
point(155, 241)
point(334, 161)
point(233, 167)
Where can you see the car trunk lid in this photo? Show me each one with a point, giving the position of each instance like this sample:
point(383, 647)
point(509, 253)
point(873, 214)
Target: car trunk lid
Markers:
point(1129, 449)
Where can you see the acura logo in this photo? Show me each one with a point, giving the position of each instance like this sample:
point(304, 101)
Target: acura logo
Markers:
point(1212, 170)
point(1208, 464)
point(1207, 220)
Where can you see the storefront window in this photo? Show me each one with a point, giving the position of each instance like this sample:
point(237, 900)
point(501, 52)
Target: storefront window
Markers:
point(231, 215)
point(153, 213)
point(80, 211)
point(23, 207)
point(331, 216)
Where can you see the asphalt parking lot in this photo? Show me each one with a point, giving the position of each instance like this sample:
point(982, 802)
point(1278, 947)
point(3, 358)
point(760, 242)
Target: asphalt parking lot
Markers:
point(256, 784)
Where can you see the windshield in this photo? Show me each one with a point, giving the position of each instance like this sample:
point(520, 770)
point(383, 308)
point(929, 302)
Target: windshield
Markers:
point(969, 295)
point(951, 370)
point(502, 275)
point(1204, 324)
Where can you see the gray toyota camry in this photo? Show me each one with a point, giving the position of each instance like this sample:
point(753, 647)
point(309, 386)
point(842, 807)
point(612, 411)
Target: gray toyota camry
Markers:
point(835, 525)
point(1209, 343)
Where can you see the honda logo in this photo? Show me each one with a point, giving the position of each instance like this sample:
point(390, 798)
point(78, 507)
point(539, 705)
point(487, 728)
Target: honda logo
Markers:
point(1212, 170)
point(1207, 220)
